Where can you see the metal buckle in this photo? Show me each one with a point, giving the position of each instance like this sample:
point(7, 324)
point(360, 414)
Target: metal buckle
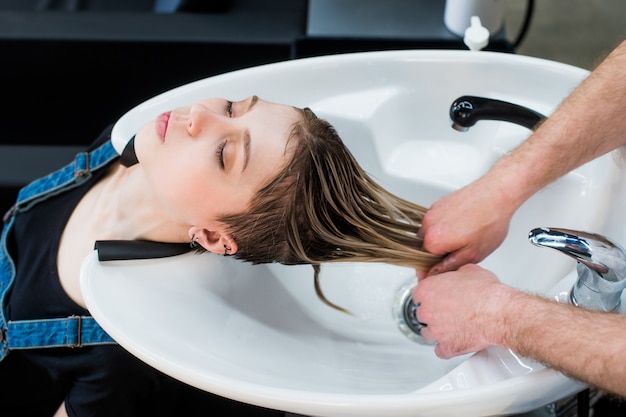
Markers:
point(79, 327)
point(82, 171)
point(10, 212)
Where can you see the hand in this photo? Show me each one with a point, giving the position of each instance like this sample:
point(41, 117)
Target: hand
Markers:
point(466, 226)
point(462, 310)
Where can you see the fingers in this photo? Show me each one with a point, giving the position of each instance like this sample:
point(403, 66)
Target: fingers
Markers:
point(451, 262)
point(441, 352)
point(444, 304)
point(427, 336)
point(421, 274)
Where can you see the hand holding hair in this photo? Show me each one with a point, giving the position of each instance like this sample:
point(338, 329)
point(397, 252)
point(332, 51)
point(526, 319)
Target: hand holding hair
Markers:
point(461, 227)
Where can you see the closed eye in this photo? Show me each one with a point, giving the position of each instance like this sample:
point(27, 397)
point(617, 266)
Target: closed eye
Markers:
point(220, 154)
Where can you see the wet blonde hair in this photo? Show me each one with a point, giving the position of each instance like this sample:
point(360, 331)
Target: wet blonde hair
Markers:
point(323, 207)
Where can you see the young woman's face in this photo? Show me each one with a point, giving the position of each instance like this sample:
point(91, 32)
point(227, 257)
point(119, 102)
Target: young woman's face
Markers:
point(210, 158)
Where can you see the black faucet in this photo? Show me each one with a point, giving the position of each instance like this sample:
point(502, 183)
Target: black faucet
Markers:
point(465, 111)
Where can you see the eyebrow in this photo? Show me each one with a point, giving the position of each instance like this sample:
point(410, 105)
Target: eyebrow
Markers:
point(246, 149)
point(253, 101)
point(246, 136)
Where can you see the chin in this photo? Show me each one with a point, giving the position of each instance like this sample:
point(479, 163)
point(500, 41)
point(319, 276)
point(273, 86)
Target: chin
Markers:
point(143, 138)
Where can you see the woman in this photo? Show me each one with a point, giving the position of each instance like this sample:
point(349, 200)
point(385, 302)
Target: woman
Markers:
point(264, 182)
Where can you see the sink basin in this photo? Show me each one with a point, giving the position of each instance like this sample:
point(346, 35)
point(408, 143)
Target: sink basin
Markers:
point(260, 335)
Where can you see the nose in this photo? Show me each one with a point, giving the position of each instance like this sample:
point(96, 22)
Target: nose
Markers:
point(202, 118)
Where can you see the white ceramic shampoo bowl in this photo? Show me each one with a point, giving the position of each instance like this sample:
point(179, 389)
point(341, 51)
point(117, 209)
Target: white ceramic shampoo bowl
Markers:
point(258, 334)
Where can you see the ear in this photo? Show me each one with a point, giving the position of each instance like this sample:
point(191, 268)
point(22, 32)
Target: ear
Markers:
point(214, 241)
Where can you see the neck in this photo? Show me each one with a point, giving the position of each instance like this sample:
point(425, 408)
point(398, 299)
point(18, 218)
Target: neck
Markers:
point(124, 209)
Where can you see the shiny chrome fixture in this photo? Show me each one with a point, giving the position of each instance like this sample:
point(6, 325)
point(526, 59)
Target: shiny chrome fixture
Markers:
point(601, 265)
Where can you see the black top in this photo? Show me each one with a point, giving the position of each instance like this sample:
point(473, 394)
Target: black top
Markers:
point(97, 380)
point(34, 243)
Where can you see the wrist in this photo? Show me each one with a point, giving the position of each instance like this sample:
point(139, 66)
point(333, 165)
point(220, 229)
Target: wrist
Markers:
point(523, 319)
point(507, 310)
point(510, 184)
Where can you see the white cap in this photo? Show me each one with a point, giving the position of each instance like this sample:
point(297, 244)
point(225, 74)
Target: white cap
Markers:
point(476, 36)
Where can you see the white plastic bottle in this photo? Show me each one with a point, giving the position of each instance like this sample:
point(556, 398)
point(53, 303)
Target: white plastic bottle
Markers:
point(458, 14)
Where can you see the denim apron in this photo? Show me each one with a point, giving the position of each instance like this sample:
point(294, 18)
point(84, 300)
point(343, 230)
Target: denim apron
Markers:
point(73, 331)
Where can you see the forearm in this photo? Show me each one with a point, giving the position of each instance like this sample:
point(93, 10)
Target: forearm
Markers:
point(470, 309)
point(588, 124)
point(588, 346)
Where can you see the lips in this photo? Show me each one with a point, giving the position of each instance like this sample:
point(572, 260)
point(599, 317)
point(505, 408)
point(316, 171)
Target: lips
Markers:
point(161, 124)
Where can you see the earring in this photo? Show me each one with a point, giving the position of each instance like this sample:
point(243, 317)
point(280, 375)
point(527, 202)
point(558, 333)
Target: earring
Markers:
point(193, 244)
point(226, 250)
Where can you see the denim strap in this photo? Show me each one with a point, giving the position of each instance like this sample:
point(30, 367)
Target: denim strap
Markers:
point(63, 179)
point(73, 331)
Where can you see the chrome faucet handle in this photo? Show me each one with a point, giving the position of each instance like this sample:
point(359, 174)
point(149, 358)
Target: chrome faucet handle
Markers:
point(601, 265)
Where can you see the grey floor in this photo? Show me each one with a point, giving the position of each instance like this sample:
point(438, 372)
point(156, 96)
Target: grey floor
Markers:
point(576, 32)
